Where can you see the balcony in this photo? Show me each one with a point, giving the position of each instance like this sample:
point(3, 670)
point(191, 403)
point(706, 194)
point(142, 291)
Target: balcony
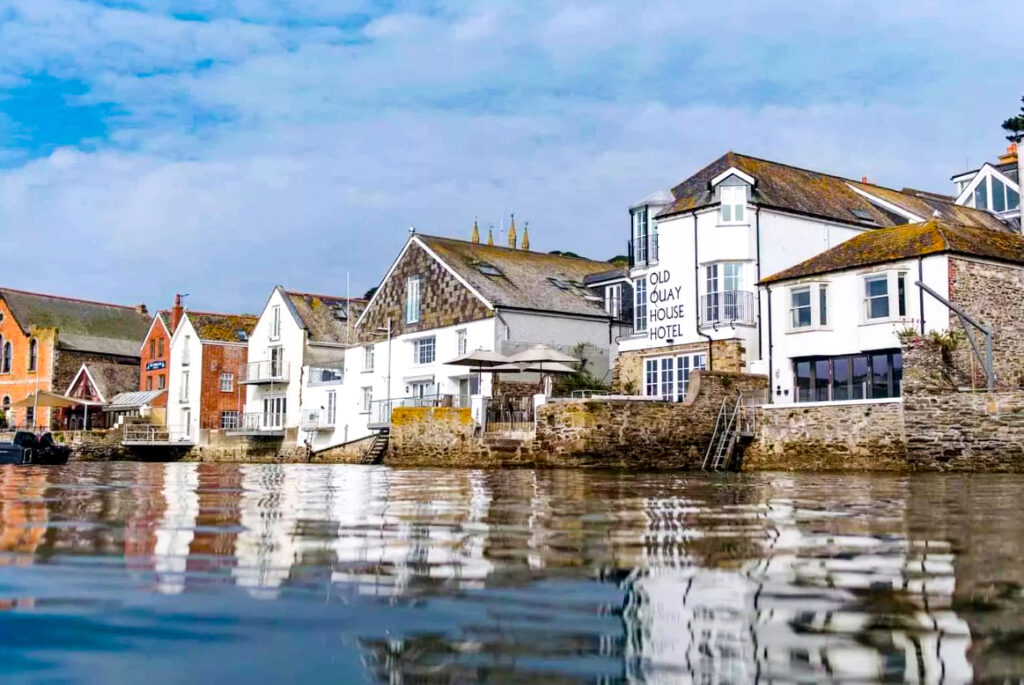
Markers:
point(643, 251)
point(265, 372)
point(314, 420)
point(727, 308)
point(151, 435)
point(269, 424)
point(319, 375)
point(380, 410)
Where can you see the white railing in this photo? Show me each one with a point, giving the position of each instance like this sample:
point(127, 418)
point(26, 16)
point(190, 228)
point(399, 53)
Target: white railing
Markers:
point(316, 420)
point(267, 371)
point(152, 433)
point(324, 376)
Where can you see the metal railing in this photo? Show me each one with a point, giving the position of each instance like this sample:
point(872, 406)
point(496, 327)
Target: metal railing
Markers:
point(145, 433)
point(380, 410)
point(316, 420)
point(728, 307)
point(324, 376)
point(267, 371)
point(510, 415)
point(643, 251)
point(260, 422)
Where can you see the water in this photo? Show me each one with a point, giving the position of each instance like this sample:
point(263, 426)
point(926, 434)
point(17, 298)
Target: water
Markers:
point(291, 573)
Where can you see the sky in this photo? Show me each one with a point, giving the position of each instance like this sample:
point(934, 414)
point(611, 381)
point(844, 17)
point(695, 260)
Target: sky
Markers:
point(221, 147)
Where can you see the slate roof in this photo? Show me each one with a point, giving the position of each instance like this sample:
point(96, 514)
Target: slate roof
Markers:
point(912, 240)
point(214, 327)
point(803, 191)
point(110, 379)
point(525, 280)
point(82, 324)
point(327, 318)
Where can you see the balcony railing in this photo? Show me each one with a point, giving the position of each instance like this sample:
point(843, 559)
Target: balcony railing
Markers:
point(380, 410)
point(150, 434)
point(316, 420)
point(268, 371)
point(643, 251)
point(324, 376)
point(260, 423)
point(727, 308)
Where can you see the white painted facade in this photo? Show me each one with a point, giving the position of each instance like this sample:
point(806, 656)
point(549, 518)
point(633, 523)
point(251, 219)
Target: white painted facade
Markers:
point(833, 315)
point(990, 189)
point(184, 382)
point(699, 282)
point(276, 354)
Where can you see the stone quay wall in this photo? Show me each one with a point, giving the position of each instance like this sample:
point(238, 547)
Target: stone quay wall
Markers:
point(628, 372)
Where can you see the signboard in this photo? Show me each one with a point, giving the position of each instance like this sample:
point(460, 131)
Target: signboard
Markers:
point(156, 366)
point(665, 306)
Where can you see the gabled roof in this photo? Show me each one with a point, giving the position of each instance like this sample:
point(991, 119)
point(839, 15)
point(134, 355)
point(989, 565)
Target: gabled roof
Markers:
point(789, 188)
point(518, 278)
point(163, 319)
point(326, 318)
point(82, 324)
point(107, 378)
point(905, 242)
point(231, 328)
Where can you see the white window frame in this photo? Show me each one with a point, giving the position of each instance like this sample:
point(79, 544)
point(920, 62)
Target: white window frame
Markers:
point(613, 300)
point(876, 278)
point(366, 399)
point(226, 424)
point(186, 355)
point(640, 308)
point(183, 392)
point(227, 382)
point(733, 205)
point(369, 354)
point(668, 378)
point(332, 407)
point(413, 287)
point(275, 322)
point(817, 302)
point(461, 341)
point(417, 350)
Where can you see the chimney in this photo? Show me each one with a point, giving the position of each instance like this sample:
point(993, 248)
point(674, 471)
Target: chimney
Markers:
point(141, 309)
point(176, 311)
point(864, 179)
point(1010, 155)
point(512, 233)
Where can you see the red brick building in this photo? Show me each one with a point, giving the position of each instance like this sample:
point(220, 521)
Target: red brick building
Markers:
point(45, 339)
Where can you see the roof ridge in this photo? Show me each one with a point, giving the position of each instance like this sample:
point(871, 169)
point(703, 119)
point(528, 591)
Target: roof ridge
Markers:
point(321, 295)
point(510, 249)
point(196, 311)
point(133, 307)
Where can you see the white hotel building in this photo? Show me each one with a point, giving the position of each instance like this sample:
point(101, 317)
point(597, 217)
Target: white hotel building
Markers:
point(698, 252)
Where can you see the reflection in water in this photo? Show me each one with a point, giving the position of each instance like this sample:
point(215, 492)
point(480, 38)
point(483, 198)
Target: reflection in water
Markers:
point(448, 576)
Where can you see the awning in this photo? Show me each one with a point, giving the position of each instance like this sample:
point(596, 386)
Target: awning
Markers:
point(42, 398)
point(418, 379)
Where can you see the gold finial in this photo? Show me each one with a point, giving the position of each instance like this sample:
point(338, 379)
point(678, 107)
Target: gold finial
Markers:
point(476, 232)
point(490, 234)
point(526, 236)
point(512, 233)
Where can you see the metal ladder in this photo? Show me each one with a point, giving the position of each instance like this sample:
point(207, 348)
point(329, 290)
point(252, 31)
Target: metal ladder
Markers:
point(723, 440)
point(374, 454)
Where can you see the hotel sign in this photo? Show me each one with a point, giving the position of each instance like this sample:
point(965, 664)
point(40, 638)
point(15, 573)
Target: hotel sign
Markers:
point(156, 366)
point(665, 306)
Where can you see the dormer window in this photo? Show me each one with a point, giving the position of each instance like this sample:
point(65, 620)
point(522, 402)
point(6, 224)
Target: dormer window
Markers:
point(734, 203)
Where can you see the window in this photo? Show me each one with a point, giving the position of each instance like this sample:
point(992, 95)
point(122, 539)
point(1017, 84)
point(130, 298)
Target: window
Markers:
point(876, 297)
point(823, 305)
point(227, 382)
point(613, 300)
point(901, 294)
point(423, 350)
point(640, 307)
point(640, 230)
point(228, 420)
point(734, 202)
point(33, 354)
point(368, 358)
point(276, 362)
point(412, 300)
point(872, 375)
point(981, 195)
point(800, 307)
point(152, 347)
point(668, 378)
point(723, 283)
point(275, 410)
point(8, 418)
point(149, 382)
point(460, 341)
point(367, 400)
point(275, 322)
point(183, 394)
point(685, 365)
point(186, 355)
point(325, 375)
point(161, 382)
point(651, 378)
point(5, 362)
point(30, 417)
point(488, 270)
point(160, 347)
point(332, 408)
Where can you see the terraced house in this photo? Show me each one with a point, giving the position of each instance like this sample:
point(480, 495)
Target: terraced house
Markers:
point(698, 251)
point(45, 340)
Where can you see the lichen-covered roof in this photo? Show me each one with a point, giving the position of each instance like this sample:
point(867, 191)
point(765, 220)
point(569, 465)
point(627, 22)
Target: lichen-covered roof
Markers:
point(223, 327)
point(328, 318)
point(82, 324)
point(908, 241)
point(111, 379)
point(814, 193)
point(525, 277)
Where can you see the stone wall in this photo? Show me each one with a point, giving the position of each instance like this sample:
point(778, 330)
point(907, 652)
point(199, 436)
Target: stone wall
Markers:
point(444, 301)
point(861, 436)
point(628, 372)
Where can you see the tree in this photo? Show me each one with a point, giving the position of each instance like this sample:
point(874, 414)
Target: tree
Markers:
point(1015, 127)
point(370, 293)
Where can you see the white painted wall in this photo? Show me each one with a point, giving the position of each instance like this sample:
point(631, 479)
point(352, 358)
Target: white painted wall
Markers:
point(293, 339)
point(515, 331)
point(185, 344)
point(848, 331)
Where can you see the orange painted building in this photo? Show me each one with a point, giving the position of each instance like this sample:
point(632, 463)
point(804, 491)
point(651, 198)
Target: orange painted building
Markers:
point(45, 339)
point(156, 349)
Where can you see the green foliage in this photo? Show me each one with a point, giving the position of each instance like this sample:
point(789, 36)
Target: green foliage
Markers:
point(370, 293)
point(565, 253)
point(1015, 125)
point(907, 335)
point(619, 260)
point(583, 379)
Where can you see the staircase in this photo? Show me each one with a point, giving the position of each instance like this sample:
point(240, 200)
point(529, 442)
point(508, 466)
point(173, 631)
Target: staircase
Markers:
point(732, 426)
point(374, 454)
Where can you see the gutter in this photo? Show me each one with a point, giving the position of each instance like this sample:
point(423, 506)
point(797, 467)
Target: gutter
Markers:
point(696, 293)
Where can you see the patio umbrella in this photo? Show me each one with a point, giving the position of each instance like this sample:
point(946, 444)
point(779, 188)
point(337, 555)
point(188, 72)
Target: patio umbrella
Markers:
point(481, 360)
point(41, 398)
point(544, 360)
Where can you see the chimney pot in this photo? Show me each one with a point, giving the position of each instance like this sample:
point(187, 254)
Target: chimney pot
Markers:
point(864, 179)
point(176, 312)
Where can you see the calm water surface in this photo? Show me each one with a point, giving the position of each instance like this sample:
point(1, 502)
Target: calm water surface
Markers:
point(203, 573)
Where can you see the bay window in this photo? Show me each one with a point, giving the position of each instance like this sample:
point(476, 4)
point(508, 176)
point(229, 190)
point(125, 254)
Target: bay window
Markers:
point(876, 297)
point(800, 307)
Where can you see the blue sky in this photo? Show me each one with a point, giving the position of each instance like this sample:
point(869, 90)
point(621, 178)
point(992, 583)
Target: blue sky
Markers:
point(219, 147)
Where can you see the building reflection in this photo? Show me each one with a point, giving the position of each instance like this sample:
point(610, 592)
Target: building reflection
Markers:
point(177, 525)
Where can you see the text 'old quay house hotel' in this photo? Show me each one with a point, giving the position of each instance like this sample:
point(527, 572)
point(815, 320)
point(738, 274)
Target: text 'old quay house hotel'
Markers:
point(698, 253)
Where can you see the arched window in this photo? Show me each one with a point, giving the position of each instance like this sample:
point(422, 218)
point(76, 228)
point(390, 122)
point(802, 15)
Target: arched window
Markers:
point(5, 358)
point(33, 354)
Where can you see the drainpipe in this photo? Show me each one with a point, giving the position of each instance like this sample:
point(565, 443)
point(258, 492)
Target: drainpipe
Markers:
point(920, 291)
point(771, 370)
point(757, 279)
point(696, 291)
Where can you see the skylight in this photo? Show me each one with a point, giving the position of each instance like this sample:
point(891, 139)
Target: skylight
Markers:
point(489, 270)
point(559, 283)
point(864, 216)
point(341, 312)
point(241, 335)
